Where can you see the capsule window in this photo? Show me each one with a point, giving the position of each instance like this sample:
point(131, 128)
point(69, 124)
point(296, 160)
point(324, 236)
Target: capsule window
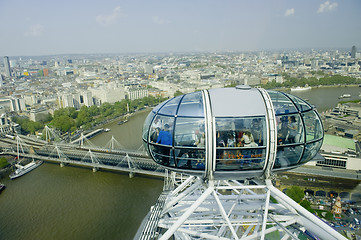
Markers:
point(281, 104)
point(311, 151)
point(170, 108)
point(146, 125)
point(290, 129)
point(288, 156)
point(189, 132)
point(313, 126)
point(190, 159)
point(161, 130)
point(241, 159)
point(191, 105)
point(240, 132)
point(301, 104)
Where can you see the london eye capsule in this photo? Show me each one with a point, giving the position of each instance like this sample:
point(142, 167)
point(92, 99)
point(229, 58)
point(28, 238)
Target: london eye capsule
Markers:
point(233, 133)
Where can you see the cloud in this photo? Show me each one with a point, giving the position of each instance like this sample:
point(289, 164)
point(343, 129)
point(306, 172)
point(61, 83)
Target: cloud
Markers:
point(327, 7)
point(106, 20)
point(290, 12)
point(157, 20)
point(34, 30)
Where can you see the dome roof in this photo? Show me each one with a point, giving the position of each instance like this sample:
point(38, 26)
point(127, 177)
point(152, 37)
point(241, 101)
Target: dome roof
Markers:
point(233, 133)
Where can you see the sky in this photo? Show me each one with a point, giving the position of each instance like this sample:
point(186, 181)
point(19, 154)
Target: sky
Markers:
point(47, 27)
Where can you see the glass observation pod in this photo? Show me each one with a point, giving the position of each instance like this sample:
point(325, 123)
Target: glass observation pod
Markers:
point(233, 133)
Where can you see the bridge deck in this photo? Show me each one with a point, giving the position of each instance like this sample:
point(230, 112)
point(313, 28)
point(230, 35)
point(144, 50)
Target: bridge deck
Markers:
point(89, 164)
point(88, 156)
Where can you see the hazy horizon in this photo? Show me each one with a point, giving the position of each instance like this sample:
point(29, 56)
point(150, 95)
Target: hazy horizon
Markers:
point(43, 28)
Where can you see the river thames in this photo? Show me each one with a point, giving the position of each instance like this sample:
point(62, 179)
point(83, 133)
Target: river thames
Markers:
point(74, 203)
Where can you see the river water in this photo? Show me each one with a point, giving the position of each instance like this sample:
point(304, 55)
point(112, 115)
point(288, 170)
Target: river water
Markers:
point(75, 203)
point(325, 98)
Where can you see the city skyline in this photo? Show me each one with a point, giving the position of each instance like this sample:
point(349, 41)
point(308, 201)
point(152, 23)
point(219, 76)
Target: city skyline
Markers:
point(111, 26)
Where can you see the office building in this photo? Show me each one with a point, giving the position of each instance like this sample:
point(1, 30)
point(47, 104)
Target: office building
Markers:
point(7, 66)
point(39, 114)
point(4, 124)
point(136, 93)
point(86, 98)
point(148, 68)
point(353, 52)
point(17, 104)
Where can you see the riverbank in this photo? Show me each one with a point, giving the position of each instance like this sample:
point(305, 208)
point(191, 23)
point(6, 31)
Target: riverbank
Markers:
point(4, 172)
point(118, 118)
point(319, 86)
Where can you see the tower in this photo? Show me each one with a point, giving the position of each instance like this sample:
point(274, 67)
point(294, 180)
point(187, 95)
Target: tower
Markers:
point(353, 52)
point(7, 66)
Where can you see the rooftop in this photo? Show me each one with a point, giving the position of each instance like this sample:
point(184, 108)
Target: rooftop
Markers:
point(341, 143)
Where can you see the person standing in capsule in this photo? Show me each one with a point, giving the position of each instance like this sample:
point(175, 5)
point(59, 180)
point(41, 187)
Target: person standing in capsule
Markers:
point(165, 138)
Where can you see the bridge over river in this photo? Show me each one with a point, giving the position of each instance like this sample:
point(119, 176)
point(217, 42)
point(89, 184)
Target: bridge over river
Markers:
point(109, 158)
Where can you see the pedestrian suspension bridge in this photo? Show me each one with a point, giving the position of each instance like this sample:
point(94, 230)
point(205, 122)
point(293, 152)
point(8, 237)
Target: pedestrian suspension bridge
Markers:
point(113, 156)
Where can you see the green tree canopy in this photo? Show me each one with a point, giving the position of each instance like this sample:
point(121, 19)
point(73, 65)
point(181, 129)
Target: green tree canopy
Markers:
point(64, 123)
point(296, 193)
point(28, 126)
point(3, 162)
point(177, 93)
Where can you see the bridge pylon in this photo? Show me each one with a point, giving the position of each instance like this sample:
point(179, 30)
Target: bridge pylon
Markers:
point(130, 164)
point(113, 144)
point(19, 146)
point(142, 149)
point(62, 157)
point(93, 159)
point(50, 134)
point(84, 140)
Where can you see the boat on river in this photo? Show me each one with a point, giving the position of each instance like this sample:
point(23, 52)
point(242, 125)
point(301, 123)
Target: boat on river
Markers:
point(123, 121)
point(2, 187)
point(301, 88)
point(21, 170)
point(345, 96)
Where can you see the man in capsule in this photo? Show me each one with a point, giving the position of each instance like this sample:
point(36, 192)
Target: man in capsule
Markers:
point(165, 138)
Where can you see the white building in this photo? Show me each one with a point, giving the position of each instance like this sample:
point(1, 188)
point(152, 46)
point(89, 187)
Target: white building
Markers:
point(66, 100)
point(136, 93)
point(38, 114)
point(17, 104)
point(110, 93)
point(86, 98)
point(76, 100)
point(339, 153)
point(4, 124)
point(148, 68)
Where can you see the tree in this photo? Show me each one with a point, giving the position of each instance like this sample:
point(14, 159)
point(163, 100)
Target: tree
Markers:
point(177, 93)
point(296, 193)
point(93, 110)
point(63, 123)
point(3, 162)
point(307, 205)
point(68, 111)
point(28, 126)
point(83, 117)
